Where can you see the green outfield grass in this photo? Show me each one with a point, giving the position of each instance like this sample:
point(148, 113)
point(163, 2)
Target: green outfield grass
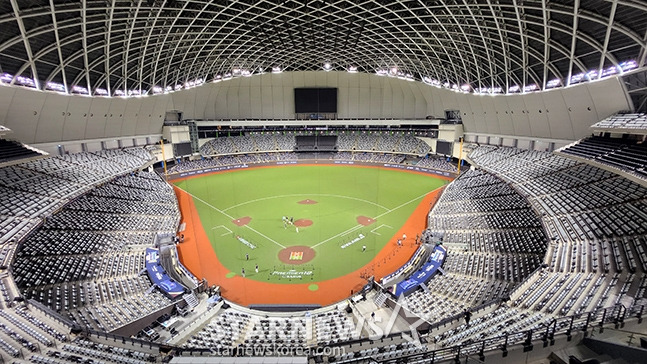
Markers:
point(266, 195)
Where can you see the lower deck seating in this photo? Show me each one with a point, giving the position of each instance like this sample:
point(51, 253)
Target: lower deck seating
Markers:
point(85, 261)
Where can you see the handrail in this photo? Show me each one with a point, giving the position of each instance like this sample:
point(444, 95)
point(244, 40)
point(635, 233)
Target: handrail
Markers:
point(557, 326)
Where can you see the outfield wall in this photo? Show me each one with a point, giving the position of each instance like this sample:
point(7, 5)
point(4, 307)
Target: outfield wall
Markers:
point(402, 167)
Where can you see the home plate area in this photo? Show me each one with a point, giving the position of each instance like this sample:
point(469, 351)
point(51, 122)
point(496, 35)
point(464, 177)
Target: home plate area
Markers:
point(295, 255)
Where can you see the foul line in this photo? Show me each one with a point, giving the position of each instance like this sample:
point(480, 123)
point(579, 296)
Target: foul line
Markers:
point(306, 194)
point(358, 226)
point(232, 218)
point(376, 233)
point(224, 227)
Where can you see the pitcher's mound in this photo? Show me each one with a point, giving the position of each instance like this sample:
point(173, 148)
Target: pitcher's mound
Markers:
point(364, 220)
point(303, 223)
point(296, 254)
point(307, 202)
point(242, 221)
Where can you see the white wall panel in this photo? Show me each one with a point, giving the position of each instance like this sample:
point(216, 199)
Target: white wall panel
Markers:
point(97, 125)
point(508, 142)
point(145, 116)
point(353, 103)
point(565, 112)
point(50, 124)
point(581, 110)
point(421, 102)
point(22, 117)
point(321, 79)
point(189, 103)
point(470, 138)
point(535, 112)
point(116, 118)
point(73, 148)
point(523, 144)
point(434, 102)
point(397, 111)
point(364, 106)
point(557, 115)
point(479, 114)
point(364, 79)
point(157, 120)
point(275, 104)
point(490, 114)
point(504, 114)
point(608, 97)
point(298, 78)
point(309, 78)
point(132, 112)
point(408, 101)
point(220, 102)
point(244, 102)
point(233, 105)
point(541, 145)
point(79, 117)
point(210, 105)
point(256, 99)
point(519, 117)
point(376, 100)
point(288, 103)
point(387, 98)
point(201, 102)
point(267, 100)
point(6, 98)
point(92, 146)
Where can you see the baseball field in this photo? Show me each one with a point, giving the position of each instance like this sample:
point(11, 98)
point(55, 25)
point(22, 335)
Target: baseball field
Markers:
point(304, 225)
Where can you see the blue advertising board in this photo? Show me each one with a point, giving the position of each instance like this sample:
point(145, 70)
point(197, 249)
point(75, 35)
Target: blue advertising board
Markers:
point(423, 274)
point(158, 275)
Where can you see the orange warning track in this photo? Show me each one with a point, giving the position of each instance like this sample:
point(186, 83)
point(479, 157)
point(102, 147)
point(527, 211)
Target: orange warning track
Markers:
point(198, 256)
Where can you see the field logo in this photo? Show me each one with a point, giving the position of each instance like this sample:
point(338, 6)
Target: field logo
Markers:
point(245, 242)
point(296, 256)
point(358, 238)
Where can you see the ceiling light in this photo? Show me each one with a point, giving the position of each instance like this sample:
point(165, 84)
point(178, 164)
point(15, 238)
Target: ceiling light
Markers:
point(529, 88)
point(5, 77)
point(625, 66)
point(55, 86)
point(79, 89)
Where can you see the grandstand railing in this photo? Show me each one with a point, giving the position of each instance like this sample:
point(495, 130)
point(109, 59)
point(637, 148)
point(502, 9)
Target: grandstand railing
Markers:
point(220, 168)
point(566, 326)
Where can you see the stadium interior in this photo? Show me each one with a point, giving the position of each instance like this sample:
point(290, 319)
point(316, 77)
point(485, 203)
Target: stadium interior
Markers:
point(535, 110)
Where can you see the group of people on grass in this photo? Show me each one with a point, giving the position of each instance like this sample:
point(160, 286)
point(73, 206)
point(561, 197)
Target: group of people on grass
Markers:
point(289, 221)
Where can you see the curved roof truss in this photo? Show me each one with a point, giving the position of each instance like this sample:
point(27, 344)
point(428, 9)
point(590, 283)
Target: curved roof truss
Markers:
point(122, 47)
